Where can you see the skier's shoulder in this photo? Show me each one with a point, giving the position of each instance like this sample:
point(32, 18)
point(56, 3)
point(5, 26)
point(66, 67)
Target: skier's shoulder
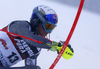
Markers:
point(19, 22)
point(18, 25)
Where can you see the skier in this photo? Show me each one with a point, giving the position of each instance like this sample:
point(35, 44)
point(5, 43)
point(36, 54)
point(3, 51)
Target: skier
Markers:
point(14, 48)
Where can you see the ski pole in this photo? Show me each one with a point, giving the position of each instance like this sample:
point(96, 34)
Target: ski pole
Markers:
point(69, 36)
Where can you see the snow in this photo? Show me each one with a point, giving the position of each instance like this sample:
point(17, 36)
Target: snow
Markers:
point(85, 40)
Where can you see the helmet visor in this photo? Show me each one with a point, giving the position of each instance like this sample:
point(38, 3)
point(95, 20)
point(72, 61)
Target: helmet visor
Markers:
point(48, 27)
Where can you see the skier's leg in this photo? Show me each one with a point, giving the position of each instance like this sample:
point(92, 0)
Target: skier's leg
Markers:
point(32, 62)
point(24, 67)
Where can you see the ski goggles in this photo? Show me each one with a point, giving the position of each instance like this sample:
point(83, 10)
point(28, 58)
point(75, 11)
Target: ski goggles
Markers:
point(48, 27)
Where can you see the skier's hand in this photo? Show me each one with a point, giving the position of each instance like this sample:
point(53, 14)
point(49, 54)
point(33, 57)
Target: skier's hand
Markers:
point(56, 45)
point(68, 53)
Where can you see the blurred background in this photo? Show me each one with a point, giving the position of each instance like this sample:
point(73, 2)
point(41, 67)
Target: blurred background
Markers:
point(86, 37)
point(89, 5)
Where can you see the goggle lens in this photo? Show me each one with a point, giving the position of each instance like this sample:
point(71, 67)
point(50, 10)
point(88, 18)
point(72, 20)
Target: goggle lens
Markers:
point(48, 27)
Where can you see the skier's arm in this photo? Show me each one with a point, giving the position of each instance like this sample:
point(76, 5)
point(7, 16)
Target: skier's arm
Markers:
point(23, 28)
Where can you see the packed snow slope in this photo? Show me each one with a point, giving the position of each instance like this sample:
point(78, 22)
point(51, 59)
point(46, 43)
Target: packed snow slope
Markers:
point(85, 40)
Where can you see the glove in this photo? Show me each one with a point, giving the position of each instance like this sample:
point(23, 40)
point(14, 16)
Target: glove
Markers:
point(68, 53)
point(54, 46)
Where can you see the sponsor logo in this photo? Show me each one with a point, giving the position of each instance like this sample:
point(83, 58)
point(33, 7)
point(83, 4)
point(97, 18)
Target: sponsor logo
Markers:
point(4, 43)
point(24, 47)
point(55, 16)
point(3, 61)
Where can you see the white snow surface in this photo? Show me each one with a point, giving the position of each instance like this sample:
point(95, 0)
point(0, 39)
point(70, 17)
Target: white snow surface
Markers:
point(85, 40)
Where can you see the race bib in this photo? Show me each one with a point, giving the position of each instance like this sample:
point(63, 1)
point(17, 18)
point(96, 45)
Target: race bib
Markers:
point(8, 53)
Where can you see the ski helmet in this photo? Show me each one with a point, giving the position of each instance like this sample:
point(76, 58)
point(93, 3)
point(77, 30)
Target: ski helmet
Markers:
point(45, 15)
